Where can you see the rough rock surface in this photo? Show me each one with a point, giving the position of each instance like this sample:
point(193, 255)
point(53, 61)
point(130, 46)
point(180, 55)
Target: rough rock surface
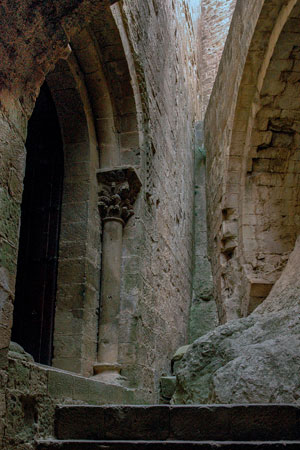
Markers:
point(17, 352)
point(250, 360)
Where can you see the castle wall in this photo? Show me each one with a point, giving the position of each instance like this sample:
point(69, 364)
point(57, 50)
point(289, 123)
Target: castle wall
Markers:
point(211, 20)
point(252, 148)
point(33, 391)
point(218, 126)
point(27, 54)
point(157, 250)
point(203, 313)
point(213, 27)
point(252, 144)
point(163, 41)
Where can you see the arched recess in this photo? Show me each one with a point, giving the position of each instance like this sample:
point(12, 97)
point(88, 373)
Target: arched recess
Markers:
point(106, 63)
point(102, 59)
point(270, 214)
point(260, 201)
point(81, 102)
point(75, 330)
point(96, 108)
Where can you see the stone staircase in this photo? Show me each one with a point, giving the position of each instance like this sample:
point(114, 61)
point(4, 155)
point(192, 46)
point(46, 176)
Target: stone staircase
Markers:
point(176, 427)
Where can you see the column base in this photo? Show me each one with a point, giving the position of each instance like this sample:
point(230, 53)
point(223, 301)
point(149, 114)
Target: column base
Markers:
point(109, 373)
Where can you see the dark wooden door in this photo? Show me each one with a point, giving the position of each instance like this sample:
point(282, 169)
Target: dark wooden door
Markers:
point(39, 234)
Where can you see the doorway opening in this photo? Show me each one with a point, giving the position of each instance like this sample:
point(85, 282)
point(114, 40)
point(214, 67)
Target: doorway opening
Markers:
point(34, 307)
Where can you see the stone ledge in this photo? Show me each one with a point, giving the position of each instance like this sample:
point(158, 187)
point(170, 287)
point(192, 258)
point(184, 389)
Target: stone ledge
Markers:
point(68, 386)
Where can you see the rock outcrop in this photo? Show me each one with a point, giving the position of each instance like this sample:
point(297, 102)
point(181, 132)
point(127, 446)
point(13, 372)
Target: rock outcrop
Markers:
point(250, 360)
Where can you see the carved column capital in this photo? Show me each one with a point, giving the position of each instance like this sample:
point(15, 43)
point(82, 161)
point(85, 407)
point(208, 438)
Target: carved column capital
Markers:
point(118, 190)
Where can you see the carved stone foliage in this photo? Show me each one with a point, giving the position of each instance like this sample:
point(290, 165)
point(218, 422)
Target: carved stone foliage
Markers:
point(118, 190)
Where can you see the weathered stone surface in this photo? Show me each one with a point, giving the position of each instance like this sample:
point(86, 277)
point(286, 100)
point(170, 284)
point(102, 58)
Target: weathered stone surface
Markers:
point(214, 24)
point(182, 423)
point(17, 352)
point(247, 360)
point(203, 310)
point(285, 294)
point(253, 359)
point(112, 422)
point(256, 359)
point(252, 148)
point(168, 445)
point(167, 388)
point(157, 253)
point(177, 357)
point(118, 190)
point(32, 391)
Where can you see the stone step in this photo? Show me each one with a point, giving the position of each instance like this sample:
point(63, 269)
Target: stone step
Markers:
point(179, 423)
point(165, 445)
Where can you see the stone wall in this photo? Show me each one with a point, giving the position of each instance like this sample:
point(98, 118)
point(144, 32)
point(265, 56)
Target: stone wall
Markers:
point(211, 22)
point(251, 134)
point(203, 312)
point(271, 219)
point(252, 154)
point(218, 126)
point(27, 54)
point(252, 151)
point(137, 104)
point(33, 391)
point(157, 289)
point(213, 27)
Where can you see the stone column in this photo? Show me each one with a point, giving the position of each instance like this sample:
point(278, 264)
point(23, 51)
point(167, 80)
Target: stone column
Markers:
point(118, 189)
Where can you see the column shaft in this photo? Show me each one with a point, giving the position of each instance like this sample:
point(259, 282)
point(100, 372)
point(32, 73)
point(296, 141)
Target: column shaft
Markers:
point(118, 189)
point(110, 290)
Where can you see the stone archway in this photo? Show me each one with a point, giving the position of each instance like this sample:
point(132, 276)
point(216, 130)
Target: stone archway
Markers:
point(27, 55)
point(75, 333)
point(96, 108)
